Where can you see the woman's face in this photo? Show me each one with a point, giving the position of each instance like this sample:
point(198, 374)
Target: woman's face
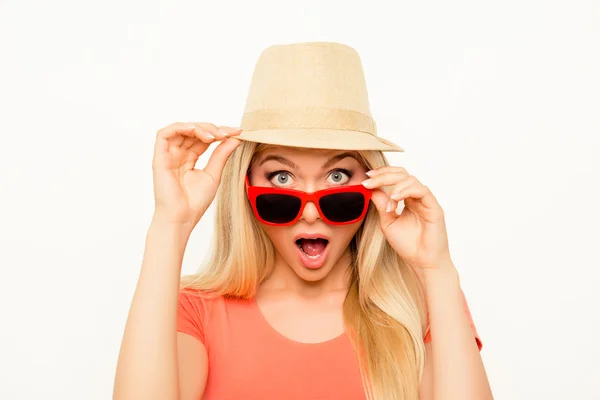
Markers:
point(309, 170)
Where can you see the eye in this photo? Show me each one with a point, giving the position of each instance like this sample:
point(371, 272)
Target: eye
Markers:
point(338, 176)
point(280, 178)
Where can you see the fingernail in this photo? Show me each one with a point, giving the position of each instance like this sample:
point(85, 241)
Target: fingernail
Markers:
point(400, 207)
point(369, 173)
point(367, 183)
point(395, 196)
point(223, 133)
point(209, 135)
point(389, 206)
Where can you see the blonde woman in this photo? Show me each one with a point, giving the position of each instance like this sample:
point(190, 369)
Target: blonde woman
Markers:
point(319, 285)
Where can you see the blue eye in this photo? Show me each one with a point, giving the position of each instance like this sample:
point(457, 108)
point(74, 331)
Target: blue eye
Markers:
point(284, 178)
point(338, 176)
point(281, 178)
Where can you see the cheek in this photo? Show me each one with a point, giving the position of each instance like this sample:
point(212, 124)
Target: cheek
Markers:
point(344, 234)
point(279, 235)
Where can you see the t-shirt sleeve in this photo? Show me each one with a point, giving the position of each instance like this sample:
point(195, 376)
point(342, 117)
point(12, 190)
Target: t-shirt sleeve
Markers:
point(473, 328)
point(191, 313)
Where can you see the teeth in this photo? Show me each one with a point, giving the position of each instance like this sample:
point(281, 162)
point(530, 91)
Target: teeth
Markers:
point(309, 256)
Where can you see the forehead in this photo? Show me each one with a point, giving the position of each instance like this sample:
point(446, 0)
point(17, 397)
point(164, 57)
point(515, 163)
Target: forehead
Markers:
point(301, 154)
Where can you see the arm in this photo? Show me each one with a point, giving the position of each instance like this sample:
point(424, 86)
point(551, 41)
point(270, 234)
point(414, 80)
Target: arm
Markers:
point(453, 367)
point(148, 361)
point(156, 362)
point(417, 232)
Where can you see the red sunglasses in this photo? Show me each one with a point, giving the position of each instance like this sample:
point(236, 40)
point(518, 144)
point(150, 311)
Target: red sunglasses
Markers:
point(337, 206)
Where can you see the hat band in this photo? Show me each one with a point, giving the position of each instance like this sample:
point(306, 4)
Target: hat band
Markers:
point(308, 118)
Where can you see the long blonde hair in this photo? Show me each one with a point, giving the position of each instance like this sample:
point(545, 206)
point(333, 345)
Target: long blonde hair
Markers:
point(384, 309)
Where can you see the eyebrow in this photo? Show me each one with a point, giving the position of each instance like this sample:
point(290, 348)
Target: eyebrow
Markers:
point(290, 164)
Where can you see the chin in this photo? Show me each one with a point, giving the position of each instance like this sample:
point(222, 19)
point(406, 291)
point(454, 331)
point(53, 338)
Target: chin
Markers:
point(312, 275)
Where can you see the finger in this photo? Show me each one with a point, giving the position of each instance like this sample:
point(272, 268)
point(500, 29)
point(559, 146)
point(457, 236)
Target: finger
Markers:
point(175, 129)
point(396, 202)
point(197, 134)
point(381, 199)
point(219, 158)
point(188, 142)
point(201, 134)
point(420, 192)
point(166, 134)
point(199, 147)
point(384, 179)
point(206, 132)
point(219, 132)
point(387, 168)
point(176, 133)
point(403, 184)
point(207, 129)
point(396, 206)
point(230, 131)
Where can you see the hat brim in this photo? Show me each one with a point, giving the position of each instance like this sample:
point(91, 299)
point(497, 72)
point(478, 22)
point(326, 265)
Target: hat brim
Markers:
point(320, 139)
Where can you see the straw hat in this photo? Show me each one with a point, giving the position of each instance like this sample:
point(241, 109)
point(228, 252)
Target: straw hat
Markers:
point(313, 95)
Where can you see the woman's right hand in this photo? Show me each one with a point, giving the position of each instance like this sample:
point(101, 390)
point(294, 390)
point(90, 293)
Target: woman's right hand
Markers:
point(183, 193)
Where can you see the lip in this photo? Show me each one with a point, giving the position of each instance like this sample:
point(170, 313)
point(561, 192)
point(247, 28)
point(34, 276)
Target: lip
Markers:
point(312, 263)
point(311, 236)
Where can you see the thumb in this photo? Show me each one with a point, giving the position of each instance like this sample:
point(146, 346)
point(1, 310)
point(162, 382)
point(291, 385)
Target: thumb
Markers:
point(219, 157)
point(381, 199)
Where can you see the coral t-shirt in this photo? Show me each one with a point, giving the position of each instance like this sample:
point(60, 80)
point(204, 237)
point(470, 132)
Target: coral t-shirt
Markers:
point(248, 359)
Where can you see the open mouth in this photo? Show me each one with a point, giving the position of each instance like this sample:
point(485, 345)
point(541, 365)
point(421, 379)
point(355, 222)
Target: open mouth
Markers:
point(312, 252)
point(313, 248)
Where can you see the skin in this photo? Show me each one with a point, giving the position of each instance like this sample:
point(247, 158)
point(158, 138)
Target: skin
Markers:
point(453, 367)
point(417, 232)
point(305, 304)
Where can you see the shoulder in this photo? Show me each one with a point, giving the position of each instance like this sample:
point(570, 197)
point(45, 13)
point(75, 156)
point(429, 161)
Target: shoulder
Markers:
point(194, 310)
point(204, 303)
point(198, 300)
point(208, 315)
point(197, 296)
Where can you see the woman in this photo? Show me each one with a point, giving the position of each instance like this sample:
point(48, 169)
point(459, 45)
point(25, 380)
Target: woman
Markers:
point(318, 285)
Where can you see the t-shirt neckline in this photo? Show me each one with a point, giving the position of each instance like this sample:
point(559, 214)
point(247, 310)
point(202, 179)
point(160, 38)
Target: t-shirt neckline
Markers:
point(272, 331)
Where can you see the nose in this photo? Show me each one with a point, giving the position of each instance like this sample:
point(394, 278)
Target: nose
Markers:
point(310, 213)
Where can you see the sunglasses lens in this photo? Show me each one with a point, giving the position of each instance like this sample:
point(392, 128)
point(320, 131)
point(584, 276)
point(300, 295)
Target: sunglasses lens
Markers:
point(342, 207)
point(277, 208)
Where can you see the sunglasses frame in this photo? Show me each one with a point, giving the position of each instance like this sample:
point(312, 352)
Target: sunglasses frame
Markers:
point(254, 191)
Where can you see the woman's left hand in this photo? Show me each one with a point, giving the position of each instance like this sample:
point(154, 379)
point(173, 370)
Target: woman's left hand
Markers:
point(418, 233)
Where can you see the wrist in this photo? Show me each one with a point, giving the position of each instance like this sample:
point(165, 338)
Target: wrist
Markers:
point(174, 231)
point(446, 275)
point(163, 222)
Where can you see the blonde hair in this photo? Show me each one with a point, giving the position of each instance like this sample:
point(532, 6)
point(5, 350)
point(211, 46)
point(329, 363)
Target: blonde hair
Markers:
point(384, 309)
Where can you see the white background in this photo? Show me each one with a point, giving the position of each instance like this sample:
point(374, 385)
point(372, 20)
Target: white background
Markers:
point(497, 105)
